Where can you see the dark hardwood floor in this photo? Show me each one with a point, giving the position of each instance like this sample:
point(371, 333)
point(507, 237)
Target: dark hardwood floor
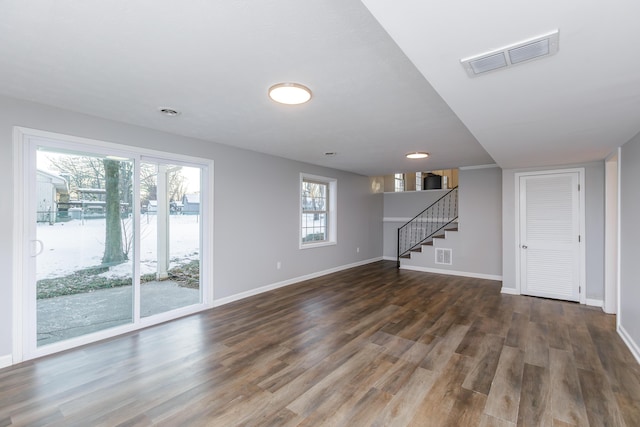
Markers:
point(371, 346)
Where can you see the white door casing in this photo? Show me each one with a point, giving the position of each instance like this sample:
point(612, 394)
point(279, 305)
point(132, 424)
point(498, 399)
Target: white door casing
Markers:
point(551, 234)
point(26, 245)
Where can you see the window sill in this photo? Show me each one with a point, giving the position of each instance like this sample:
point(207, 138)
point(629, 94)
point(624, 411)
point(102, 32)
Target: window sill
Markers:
point(316, 245)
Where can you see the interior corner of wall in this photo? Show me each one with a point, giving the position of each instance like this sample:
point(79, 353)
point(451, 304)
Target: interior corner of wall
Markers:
point(6, 361)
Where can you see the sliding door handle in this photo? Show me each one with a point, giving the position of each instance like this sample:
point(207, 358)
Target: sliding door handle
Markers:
point(40, 250)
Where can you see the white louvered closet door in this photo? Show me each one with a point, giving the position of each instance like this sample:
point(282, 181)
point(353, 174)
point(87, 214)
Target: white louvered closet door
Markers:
point(549, 235)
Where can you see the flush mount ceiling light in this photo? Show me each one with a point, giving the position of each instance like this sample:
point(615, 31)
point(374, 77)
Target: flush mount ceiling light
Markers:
point(169, 112)
point(290, 93)
point(534, 48)
point(417, 155)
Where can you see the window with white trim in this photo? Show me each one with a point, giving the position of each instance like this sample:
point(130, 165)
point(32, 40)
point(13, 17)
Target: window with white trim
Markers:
point(317, 211)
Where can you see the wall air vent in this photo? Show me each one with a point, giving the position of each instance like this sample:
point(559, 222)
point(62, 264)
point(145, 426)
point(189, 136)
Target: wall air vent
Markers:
point(443, 256)
point(527, 50)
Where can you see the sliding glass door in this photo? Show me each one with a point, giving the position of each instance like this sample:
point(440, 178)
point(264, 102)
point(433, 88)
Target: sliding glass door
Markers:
point(115, 240)
point(83, 258)
point(169, 238)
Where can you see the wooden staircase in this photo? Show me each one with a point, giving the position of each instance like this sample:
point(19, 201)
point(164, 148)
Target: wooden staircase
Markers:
point(431, 223)
point(454, 227)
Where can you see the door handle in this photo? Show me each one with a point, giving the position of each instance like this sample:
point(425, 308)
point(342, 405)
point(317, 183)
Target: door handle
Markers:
point(38, 252)
point(524, 246)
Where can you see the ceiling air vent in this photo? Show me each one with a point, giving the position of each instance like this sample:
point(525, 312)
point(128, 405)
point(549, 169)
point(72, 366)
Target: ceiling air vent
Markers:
point(537, 47)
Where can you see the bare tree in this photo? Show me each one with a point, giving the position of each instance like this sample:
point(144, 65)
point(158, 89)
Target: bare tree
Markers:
point(176, 185)
point(148, 179)
point(113, 250)
point(80, 171)
point(116, 178)
point(126, 185)
point(149, 183)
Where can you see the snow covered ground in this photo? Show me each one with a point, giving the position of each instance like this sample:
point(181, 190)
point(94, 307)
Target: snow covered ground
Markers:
point(77, 245)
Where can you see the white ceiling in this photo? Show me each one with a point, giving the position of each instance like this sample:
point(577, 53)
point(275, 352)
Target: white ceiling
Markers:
point(377, 94)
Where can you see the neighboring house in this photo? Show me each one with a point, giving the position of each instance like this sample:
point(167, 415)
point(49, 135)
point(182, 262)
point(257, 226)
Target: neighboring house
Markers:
point(50, 191)
point(191, 204)
point(152, 207)
point(176, 207)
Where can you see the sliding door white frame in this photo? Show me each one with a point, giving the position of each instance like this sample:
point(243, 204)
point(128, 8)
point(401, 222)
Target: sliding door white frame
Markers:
point(24, 143)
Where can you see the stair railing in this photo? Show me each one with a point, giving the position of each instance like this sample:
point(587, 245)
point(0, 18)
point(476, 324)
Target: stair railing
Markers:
point(437, 217)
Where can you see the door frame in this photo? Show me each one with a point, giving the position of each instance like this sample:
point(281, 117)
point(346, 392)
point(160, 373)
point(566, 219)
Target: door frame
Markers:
point(581, 218)
point(22, 138)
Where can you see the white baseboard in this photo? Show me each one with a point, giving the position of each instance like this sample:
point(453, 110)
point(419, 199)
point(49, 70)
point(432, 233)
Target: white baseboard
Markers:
point(6, 361)
point(389, 258)
point(252, 292)
point(451, 272)
point(633, 346)
point(591, 302)
point(595, 302)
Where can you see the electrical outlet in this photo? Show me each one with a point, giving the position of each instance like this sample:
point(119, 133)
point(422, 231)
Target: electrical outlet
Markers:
point(357, 250)
point(278, 265)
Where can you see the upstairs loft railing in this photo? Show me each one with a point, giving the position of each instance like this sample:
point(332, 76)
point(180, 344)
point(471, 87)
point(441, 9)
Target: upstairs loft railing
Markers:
point(437, 217)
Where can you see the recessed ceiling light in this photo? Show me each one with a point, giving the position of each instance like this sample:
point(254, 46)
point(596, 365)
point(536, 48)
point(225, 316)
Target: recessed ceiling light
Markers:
point(417, 155)
point(169, 112)
point(290, 93)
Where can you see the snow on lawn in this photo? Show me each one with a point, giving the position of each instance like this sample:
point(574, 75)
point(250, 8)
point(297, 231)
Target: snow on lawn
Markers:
point(77, 245)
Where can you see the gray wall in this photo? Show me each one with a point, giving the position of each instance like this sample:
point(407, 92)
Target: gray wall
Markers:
point(481, 219)
point(594, 226)
point(629, 311)
point(245, 259)
point(476, 248)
